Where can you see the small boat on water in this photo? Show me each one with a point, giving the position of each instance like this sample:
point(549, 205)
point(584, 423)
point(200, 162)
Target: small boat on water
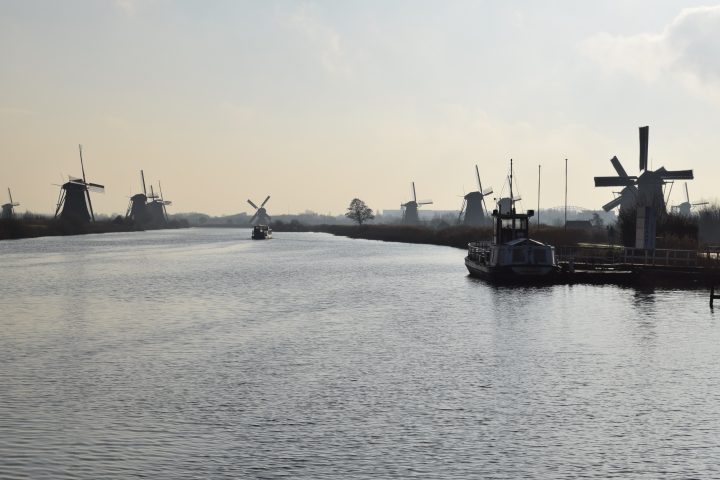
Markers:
point(511, 255)
point(261, 232)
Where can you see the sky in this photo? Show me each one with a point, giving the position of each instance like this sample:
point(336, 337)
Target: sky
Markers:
point(315, 103)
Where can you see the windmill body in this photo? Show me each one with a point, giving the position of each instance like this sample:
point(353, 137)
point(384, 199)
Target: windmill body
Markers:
point(645, 191)
point(74, 203)
point(261, 216)
point(474, 204)
point(410, 209)
point(137, 210)
point(8, 208)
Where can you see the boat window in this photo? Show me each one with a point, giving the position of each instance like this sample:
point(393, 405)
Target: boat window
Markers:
point(540, 256)
point(518, 255)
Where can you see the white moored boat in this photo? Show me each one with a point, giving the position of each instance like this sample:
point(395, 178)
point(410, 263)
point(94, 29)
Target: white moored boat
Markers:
point(511, 255)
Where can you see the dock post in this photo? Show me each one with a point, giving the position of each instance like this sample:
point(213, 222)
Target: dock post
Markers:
point(713, 296)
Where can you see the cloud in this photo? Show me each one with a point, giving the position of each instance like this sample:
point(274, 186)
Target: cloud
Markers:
point(325, 41)
point(128, 6)
point(688, 47)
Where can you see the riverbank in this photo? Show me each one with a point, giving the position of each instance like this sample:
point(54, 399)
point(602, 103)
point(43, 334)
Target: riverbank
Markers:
point(46, 227)
point(456, 236)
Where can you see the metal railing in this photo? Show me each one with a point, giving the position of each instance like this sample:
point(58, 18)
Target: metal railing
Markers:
point(609, 255)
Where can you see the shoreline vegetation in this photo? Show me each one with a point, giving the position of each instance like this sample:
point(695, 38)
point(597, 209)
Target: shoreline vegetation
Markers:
point(38, 226)
point(673, 232)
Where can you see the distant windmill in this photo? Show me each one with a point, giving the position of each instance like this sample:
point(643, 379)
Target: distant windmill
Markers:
point(7, 209)
point(410, 209)
point(685, 208)
point(156, 210)
point(650, 201)
point(474, 204)
point(137, 210)
point(261, 216)
point(74, 199)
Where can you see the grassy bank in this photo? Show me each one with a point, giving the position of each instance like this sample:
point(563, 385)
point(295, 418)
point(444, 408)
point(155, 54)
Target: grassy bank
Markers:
point(457, 236)
point(44, 227)
point(460, 236)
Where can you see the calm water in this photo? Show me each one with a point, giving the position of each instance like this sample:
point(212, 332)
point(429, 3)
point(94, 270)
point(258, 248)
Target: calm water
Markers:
point(201, 354)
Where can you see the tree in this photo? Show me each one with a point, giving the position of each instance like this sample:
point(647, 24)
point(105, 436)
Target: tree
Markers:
point(359, 211)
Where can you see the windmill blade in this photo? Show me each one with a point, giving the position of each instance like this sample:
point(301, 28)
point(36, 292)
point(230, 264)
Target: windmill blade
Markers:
point(425, 202)
point(700, 203)
point(462, 209)
point(82, 166)
point(516, 199)
point(487, 191)
point(265, 201)
point(687, 195)
point(675, 174)
point(618, 167)
point(477, 174)
point(413, 192)
point(95, 187)
point(613, 203)
point(253, 205)
point(252, 219)
point(614, 181)
point(166, 202)
point(644, 136)
point(10, 195)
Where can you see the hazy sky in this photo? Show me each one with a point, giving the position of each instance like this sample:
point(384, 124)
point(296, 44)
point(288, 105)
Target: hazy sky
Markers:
point(316, 103)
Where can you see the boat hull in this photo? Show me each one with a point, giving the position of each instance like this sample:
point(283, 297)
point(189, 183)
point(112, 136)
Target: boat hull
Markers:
point(526, 273)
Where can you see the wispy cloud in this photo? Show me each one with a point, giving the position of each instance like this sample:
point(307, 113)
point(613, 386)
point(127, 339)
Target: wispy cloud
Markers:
point(127, 6)
point(325, 41)
point(688, 47)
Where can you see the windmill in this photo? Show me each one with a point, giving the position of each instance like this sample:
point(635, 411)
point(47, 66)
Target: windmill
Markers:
point(156, 210)
point(474, 204)
point(261, 216)
point(649, 197)
point(7, 209)
point(74, 199)
point(137, 210)
point(410, 209)
point(685, 208)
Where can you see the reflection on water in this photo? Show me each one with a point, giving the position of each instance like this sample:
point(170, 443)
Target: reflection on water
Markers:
point(200, 353)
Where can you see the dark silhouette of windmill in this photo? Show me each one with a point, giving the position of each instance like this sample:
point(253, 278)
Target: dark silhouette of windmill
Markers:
point(261, 216)
point(74, 202)
point(650, 199)
point(137, 210)
point(157, 213)
point(410, 209)
point(7, 209)
point(686, 207)
point(474, 204)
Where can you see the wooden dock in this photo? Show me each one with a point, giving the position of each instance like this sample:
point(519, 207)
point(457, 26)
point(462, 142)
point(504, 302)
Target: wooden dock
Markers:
point(613, 264)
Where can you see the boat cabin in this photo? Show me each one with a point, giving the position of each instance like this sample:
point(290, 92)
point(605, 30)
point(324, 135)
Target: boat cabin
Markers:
point(261, 232)
point(509, 226)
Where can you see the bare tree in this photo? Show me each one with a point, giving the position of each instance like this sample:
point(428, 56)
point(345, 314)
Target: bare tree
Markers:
point(359, 211)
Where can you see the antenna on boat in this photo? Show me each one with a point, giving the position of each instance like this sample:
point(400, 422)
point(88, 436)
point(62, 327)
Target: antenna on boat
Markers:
point(566, 194)
point(511, 181)
point(538, 209)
